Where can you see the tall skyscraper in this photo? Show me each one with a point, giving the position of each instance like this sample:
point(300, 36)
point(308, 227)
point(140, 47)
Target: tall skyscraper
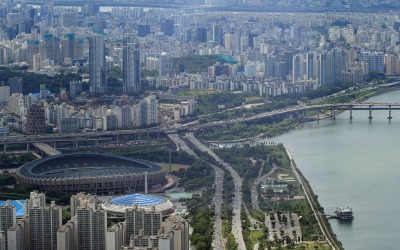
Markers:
point(201, 35)
point(131, 65)
point(312, 65)
point(340, 57)
point(218, 35)
point(326, 68)
point(298, 67)
point(167, 26)
point(251, 39)
point(97, 65)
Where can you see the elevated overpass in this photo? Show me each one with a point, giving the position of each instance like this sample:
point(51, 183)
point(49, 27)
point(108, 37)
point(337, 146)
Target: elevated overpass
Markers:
point(45, 148)
point(109, 135)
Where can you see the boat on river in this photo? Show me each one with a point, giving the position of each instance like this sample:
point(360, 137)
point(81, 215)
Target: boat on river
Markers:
point(344, 213)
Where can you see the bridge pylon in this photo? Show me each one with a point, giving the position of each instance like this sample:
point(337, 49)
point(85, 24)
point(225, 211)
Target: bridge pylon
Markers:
point(370, 112)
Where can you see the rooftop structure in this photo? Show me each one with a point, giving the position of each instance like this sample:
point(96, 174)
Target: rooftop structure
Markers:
point(119, 204)
point(93, 173)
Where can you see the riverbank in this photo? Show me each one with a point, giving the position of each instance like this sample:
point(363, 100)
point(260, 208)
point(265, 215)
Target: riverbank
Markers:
point(283, 127)
point(323, 223)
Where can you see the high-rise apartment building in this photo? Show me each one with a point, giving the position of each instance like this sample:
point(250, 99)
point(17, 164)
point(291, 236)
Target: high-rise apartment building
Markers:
point(145, 112)
point(97, 65)
point(164, 65)
point(91, 227)
point(180, 229)
point(4, 94)
point(35, 121)
point(298, 67)
point(72, 47)
point(2, 240)
point(17, 235)
point(392, 64)
point(75, 87)
point(218, 35)
point(7, 219)
point(375, 61)
point(69, 19)
point(50, 48)
point(15, 85)
point(44, 222)
point(124, 117)
point(67, 236)
point(131, 65)
point(167, 26)
point(326, 68)
point(312, 65)
point(340, 58)
point(84, 200)
point(138, 219)
point(151, 113)
point(115, 237)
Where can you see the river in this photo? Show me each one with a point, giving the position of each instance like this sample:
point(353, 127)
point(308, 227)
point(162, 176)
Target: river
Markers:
point(355, 163)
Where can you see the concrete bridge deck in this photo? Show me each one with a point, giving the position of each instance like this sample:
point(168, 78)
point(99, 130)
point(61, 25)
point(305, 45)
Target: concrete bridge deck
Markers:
point(50, 151)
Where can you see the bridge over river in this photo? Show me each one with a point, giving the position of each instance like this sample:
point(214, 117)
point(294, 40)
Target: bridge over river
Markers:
point(162, 129)
point(333, 108)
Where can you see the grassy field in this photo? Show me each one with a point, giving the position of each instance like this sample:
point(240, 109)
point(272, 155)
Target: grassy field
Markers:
point(165, 166)
point(312, 246)
point(255, 235)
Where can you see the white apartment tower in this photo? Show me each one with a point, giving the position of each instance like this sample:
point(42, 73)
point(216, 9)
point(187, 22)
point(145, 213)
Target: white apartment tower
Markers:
point(180, 229)
point(82, 199)
point(124, 117)
point(145, 112)
point(151, 103)
point(2, 240)
point(67, 236)
point(91, 228)
point(17, 235)
point(164, 65)
point(138, 219)
point(44, 222)
point(115, 237)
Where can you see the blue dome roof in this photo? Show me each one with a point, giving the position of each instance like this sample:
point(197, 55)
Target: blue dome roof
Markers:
point(140, 199)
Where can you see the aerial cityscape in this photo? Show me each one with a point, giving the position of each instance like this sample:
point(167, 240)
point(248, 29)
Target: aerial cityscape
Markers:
point(199, 124)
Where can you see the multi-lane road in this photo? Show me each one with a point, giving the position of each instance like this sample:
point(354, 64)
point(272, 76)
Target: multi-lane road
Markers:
point(237, 199)
point(218, 241)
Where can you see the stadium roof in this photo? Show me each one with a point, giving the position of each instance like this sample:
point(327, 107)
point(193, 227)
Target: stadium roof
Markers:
point(140, 199)
point(85, 165)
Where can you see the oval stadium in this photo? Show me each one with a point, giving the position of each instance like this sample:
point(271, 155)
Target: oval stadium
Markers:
point(92, 173)
point(119, 204)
